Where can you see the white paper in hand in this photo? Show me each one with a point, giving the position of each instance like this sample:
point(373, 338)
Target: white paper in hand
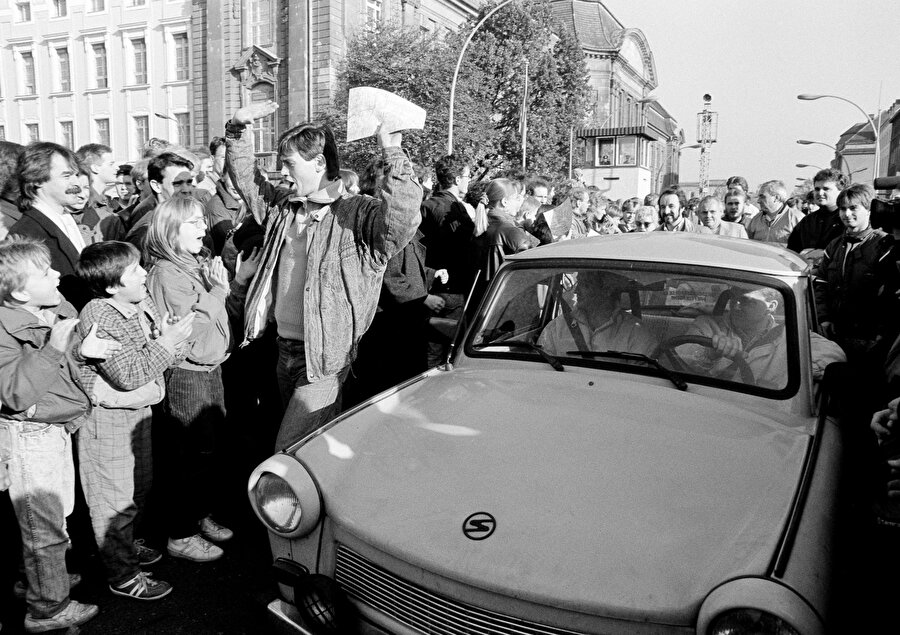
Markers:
point(370, 107)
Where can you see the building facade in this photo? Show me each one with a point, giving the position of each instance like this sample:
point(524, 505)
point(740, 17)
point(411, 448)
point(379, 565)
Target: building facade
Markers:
point(631, 144)
point(120, 72)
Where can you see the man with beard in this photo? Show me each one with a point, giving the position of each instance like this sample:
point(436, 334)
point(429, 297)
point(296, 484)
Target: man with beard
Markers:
point(671, 202)
point(709, 214)
point(817, 229)
point(49, 186)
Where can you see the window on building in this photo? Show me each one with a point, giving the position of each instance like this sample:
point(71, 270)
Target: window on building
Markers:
point(65, 72)
point(139, 46)
point(182, 56)
point(262, 14)
point(29, 87)
point(23, 11)
point(60, 8)
point(627, 151)
point(183, 123)
point(606, 152)
point(141, 130)
point(102, 131)
point(67, 134)
point(373, 10)
point(100, 78)
point(138, 3)
point(33, 132)
point(98, 5)
point(2, 133)
point(264, 128)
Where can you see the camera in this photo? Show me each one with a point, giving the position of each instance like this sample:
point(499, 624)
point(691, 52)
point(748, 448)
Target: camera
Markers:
point(886, 213)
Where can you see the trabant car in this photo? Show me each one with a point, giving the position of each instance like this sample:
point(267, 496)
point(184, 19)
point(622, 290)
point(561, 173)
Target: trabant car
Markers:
point(593, 458)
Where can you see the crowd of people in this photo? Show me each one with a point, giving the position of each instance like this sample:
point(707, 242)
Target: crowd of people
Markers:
point(127, 290)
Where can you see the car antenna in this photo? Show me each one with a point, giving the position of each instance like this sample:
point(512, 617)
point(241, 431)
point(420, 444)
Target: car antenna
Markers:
point(460, 327)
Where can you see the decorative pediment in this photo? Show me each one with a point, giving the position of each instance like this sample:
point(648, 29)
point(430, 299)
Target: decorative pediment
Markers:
point(256, 65)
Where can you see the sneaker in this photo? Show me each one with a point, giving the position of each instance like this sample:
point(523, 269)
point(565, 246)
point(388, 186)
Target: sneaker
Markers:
point(74, 614)
point(146, 555)
point(196, 548)
point(212, 530)
point(20, 586)
point(142, 587)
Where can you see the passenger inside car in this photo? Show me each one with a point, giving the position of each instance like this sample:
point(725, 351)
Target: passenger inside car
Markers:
point(598, 321)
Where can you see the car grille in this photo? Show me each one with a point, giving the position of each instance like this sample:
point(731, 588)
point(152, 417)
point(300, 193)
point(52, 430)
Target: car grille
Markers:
point(422, 610)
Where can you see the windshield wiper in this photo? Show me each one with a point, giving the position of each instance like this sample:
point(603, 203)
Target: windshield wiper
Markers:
point(550, 359)
point(671, 375)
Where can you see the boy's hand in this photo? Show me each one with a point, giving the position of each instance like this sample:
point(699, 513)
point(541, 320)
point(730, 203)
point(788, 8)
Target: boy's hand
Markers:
point(388, 139)
point(177, 330)
point(248, 114)
point(246, 269)
point(61, 332)
point(218, 274)
point(443, 275)
point(95, 347)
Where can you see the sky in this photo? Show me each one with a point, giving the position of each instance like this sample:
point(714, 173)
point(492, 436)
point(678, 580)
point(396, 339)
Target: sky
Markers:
point(754, 57)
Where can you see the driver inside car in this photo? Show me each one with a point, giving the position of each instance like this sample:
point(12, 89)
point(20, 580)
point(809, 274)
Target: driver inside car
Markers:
point(598, 322)
point(748, 332)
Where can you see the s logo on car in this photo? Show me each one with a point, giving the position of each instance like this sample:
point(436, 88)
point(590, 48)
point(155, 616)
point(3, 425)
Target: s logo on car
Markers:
point(479, 526)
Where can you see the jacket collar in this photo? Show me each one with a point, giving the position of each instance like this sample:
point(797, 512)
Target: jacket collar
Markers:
point(52, 229)
point(18, 319)
point(326, 196)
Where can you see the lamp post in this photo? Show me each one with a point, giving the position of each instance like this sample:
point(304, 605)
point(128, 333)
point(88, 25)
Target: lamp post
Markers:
point(548, 46)
point(843, 159)
point(808, 165)
point(456, 70)
point(809, 97)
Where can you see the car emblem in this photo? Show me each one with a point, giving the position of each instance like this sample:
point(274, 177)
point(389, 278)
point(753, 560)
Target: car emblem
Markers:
point(479, 526)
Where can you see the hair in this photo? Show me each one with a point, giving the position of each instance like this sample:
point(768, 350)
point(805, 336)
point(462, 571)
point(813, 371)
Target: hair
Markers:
point(139, 171)
point(712, 199)
point(629, 205)
point(835, 176)
point(533, 183)
point(91, 153)
point(15, 253)
point(614, 211)
point(9, 162)
point(161, 241)
point(124, 170)
point(498, 189)
point(102, 265)
point(645, 213)
point(372, 177)
point(155, 147)
point(740, 181)
point(673, 191)
point(651, 199)
point(159, 163)
point(858, 194)
point(579, 193)
point(792, 202)
point(309, 141)
point(349, 178)
point(693, 201)
point(740, 193)
point(775, 188)
point(215, 144)
point(447, 168)
point(811, 197)
point(34, 168)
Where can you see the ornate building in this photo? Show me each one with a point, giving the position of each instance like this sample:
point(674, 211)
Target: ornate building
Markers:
point(631, 146)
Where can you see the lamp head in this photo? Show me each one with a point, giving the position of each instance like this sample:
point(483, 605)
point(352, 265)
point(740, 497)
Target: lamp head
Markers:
point(809, 97)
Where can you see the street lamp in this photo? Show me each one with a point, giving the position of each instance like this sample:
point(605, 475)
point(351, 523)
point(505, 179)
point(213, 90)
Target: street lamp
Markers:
point(809, 97)
point(456, 70)
point(808, 165)
point(843, 159)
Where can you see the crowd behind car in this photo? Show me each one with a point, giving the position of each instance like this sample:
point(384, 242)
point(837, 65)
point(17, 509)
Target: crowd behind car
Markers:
point(165, 265)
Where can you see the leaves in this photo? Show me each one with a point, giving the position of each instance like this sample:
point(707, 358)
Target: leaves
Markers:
point(419, 65)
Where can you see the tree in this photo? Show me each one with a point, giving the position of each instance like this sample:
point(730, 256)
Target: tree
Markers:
point(487, 111)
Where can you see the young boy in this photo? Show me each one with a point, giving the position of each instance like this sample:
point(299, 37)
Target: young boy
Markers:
point(41, 400)
point(114, 449)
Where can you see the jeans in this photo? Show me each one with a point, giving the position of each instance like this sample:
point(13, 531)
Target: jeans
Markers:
point(194, 412)
point(308, 405)
point(43, 494)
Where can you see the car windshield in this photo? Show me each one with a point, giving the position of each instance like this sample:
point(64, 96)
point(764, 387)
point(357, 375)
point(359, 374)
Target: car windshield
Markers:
point(704, 328)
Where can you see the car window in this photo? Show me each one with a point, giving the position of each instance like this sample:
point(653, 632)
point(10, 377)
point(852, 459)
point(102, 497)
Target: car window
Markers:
point(714, 329)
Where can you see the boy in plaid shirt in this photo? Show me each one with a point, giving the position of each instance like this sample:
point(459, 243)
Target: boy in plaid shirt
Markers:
point(114, 447)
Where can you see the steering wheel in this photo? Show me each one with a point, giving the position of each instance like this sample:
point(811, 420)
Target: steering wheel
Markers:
point(668, 347)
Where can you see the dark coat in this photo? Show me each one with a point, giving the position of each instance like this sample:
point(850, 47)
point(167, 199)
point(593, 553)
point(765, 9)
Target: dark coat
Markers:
point(816, 231)
point(447, 232)
point(63, 254)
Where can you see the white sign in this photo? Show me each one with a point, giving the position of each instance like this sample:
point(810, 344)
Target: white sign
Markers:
point(368, 108)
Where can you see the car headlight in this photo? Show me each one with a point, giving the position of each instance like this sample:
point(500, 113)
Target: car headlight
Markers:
point(750, 622)
point(277, 503)
point(284, 496)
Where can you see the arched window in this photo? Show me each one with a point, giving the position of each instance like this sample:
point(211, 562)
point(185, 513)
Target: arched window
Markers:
point(263, 129)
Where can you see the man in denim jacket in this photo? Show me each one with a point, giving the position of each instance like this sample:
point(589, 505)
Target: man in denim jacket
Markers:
point(323, 259)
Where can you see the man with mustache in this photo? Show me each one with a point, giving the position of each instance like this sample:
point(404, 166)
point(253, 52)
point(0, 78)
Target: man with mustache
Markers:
point(48, 176)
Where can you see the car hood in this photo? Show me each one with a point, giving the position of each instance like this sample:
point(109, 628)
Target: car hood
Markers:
point(612, 495)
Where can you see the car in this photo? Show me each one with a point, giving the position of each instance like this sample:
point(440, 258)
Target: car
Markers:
point(598, 455)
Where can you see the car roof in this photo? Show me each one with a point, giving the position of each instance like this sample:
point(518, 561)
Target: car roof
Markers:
point(705, 250)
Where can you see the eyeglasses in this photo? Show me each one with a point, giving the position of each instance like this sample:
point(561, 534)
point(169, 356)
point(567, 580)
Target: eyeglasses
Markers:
point(199, 221)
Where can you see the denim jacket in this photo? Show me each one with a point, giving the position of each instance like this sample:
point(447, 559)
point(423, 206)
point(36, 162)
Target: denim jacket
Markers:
point(348, 251)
